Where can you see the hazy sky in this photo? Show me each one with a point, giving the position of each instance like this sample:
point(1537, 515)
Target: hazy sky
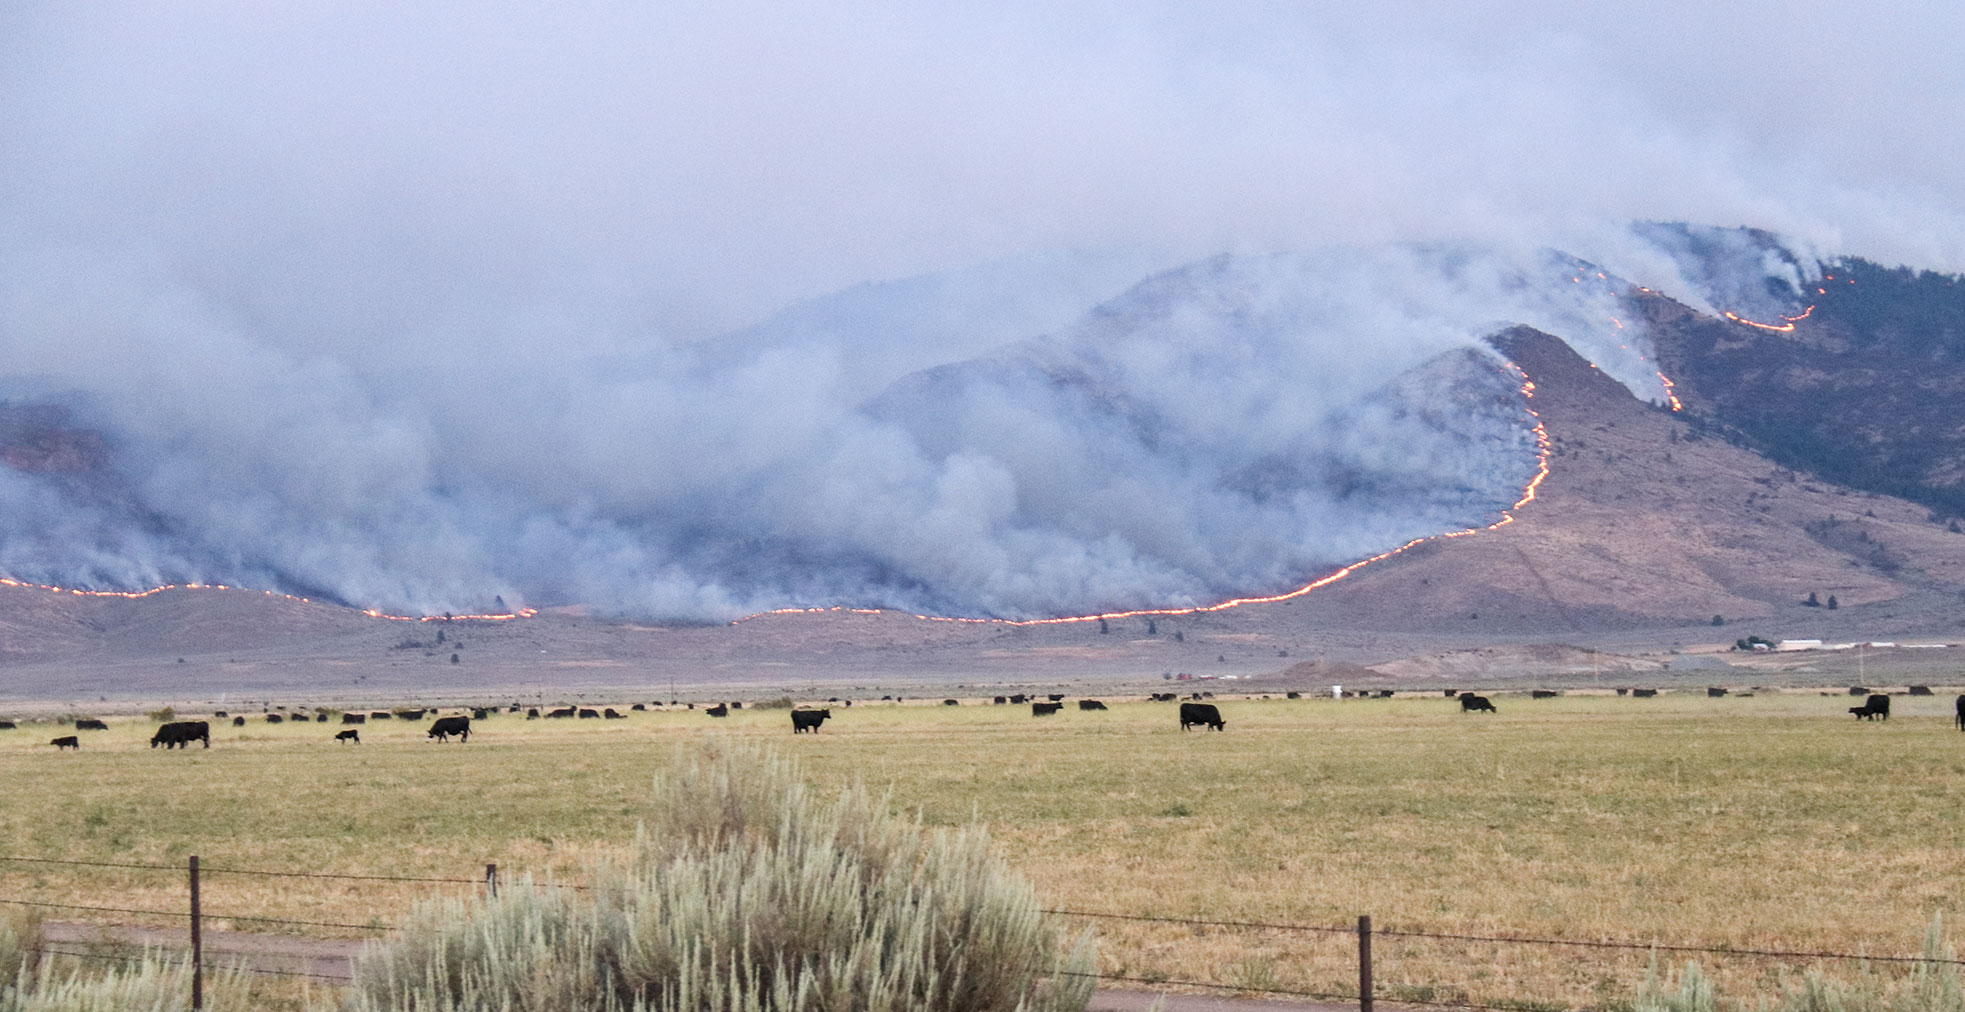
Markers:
point(411, 302)
point(693, 166)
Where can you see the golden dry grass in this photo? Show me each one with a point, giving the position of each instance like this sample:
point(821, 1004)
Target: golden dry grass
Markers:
point(1768, 822)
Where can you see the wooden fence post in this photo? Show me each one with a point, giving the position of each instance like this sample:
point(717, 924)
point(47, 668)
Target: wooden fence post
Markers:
point(491, 879)
point(197, 942)
point(1364, 963)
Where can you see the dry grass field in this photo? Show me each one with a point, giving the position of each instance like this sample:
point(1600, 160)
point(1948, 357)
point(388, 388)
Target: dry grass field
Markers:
point(1775, 821)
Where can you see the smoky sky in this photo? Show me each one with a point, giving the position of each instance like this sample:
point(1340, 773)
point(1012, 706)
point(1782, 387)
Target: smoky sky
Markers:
point(632, 303)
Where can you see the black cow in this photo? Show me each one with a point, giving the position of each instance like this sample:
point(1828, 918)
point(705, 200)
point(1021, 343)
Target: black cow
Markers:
point(808, 720)
point(238, 722)
point(1020, 698)
point(1385, 693)
point(1920, 690)
point(220, 713)
point(90, 724)
point(1090, 704)
point(564, 711)
point(1643, 693)
point(274, 718)
point(382, 715)
point(1201, 713)
point(68, 742)
point(1055, 697)
point(1044, 709)
point(1543, 694)
point(478, 714)
point(640, 706)
point(6, 725)
point(612, 714)
point(349, 735)
point(1451, 693)
point(1470, 703)
point(951, 702)
point(182, 733)
point(1876, 706)
point(1715, 692)
point(588, 713)
point(447, 726)
point(411, 714)
point(1622, 692)
point(1858, 690)
point(354, 718)
point(320, 718)
point(1290, 695)
point(719, 710)
point(1000, 700)
point(532, 713)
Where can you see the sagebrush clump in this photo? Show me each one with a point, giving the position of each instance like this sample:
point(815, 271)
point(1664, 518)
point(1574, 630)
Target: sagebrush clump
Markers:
point(748, 892)
point(33, 982)
point(1934, 984)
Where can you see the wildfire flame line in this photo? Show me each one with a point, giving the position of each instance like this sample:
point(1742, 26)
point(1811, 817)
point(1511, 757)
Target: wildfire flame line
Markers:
point(1542, 455)
point(133, 595)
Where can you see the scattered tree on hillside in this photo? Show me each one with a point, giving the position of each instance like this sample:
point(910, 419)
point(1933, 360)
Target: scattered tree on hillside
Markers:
point(1812, 602)
point(1718, 620)
point(1102, 629)
point(1832, 604)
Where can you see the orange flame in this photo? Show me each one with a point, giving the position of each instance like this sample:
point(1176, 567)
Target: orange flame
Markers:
point(1542, 455)
point(133, 595)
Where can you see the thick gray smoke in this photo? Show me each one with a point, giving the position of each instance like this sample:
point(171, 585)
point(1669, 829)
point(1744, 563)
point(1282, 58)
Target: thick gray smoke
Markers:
point(416, 304)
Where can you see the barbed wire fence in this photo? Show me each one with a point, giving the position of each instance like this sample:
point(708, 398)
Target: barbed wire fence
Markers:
point(1364, 933)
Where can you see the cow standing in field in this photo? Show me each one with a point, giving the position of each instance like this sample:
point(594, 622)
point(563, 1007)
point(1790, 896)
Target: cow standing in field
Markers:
point(1876, 706)
point(69, 741)
point(1470, 703)
point(1201, 713)
point(6, 725)
point(354, 718)
point(588, 713)
point(1090, 704)
point(181, 733)
point(238, 722)
point(349, 735)
point(1044, 709)
point(719, 710)
point(90, 724)
point(1961, 713)
point(808, 720)
point(447, 726)
point(612, 714)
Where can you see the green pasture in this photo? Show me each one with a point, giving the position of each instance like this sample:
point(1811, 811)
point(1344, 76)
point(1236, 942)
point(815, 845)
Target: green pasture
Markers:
point(1775, 821)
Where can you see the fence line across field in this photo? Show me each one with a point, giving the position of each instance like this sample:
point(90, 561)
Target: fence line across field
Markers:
point(1363, 931)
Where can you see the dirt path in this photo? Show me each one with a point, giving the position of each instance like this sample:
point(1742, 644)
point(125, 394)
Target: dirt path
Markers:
point(334, 959)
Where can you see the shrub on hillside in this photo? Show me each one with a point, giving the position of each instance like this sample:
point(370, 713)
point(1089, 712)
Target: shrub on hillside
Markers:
point(165, 715)
point(749, 891)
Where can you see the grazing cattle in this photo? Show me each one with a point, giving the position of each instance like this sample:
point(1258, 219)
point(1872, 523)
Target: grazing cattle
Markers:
point(564, 711)
point(1543, 694)
point(719, 710)
point(6, 725)
point(1451, 693)
point(1044, 709)
point(1000, 700)
point(1876, 706)
point(1160, 697)
point(1644, 693)
point(1201, 713)
point(808, 720)
point(639, 706)
point(353, 718)
point(611, 714)
point(90, 724)
point(349, 735)
point(1961, 713)
point(587, 713)
point(220, 713)
point(1055, 697)
point(532, 713)
point(1194, 695)
point(951, 702)
point(381, 715)
point(1470, 703)
point(182, 733)
point(1291, 695)
point(478, 714)
point(447, 726)
point(1384, 693)
point(1920, 690)
point(321, 717)
point(411, 714)
point(238, 722)
point(68, 742)
point(1090, 704)
point(274, 718)
point(1714, 692)
point(1019, 699)
point(1858, 690)
point(1622, 691)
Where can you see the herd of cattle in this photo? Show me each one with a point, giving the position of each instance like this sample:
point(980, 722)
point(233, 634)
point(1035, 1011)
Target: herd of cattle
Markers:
point(1194, 712)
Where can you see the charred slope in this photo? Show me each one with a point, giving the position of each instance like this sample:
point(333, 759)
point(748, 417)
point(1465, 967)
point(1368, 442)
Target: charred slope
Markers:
point(1867, 389)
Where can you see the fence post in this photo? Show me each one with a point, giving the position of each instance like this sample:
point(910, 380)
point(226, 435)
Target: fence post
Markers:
point(1364, 963)
point(197, 942)
point(491, 880)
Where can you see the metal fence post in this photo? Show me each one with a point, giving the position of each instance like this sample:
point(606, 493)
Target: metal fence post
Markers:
point(1364, 963)
point(197, 942)
point(491, 879)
